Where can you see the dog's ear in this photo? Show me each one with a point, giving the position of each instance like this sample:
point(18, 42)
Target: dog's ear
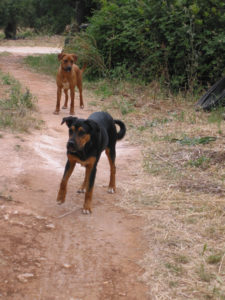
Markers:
point(74, 57)
point(60, 56)
point(93, 125)
point(69, 121)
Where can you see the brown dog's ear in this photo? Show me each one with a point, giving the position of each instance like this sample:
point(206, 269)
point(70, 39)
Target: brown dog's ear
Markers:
point(60, 56)
point(69, 121)
point(75, 57)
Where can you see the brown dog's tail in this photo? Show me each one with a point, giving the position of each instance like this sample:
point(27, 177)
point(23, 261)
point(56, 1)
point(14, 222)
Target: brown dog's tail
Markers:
point(122, 131)
point(83, 68)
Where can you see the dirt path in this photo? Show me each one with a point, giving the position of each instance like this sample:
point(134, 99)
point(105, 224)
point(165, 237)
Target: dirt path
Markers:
point(46, 253)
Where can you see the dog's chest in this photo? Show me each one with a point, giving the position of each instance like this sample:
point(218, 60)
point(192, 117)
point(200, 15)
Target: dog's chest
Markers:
point(66, 85)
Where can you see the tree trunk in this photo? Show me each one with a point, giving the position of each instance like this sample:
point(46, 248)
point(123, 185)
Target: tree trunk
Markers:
point(10, 30)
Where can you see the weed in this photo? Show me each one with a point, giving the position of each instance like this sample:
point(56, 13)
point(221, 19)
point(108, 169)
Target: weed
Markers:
point(154, 123)
point(217, 116)
point(202, 162)
point(214, 258)
point(104, 90)
point(182, 259)
point(203, 274)
point(7, 79)
point(15, 109)
point(174, 268)
point(195, 140)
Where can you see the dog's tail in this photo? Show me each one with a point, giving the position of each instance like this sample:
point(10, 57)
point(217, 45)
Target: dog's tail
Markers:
point(83, 68)
point(122, 131)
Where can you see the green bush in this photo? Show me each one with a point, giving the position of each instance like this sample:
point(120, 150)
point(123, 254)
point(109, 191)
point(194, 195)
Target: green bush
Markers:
point(179, 42)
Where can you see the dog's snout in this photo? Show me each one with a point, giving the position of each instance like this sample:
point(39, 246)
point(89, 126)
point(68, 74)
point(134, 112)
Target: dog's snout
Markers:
point(68, 69)
point(70, 144)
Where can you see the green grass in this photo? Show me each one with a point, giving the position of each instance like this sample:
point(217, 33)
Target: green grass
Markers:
point(47, 63)
point(16, 106)
point(195, 140)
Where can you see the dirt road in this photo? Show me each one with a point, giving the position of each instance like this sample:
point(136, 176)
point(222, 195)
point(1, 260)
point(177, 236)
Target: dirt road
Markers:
point(53, 252)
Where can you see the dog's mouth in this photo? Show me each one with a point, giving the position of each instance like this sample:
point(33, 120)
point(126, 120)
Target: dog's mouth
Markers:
point(67, 69)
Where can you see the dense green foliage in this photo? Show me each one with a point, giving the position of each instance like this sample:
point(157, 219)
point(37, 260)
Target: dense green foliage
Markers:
point(180, 42)
point(50, 16)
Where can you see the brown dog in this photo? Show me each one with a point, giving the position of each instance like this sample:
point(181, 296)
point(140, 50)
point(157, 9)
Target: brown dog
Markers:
point(69, 75)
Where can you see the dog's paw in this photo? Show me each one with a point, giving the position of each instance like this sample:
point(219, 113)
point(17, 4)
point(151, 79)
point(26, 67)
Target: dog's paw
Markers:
point(59, 202)
point(64, 107)
point(82, 106)
point(111, 190)
point(86, 211)
point(81, 191)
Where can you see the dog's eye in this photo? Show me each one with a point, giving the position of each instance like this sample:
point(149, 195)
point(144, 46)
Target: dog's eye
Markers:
point(65, 61)
point(81, 132)
point(71, 61)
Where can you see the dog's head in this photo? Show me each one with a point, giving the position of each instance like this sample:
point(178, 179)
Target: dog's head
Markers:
point(81, 133)
point(67, 61)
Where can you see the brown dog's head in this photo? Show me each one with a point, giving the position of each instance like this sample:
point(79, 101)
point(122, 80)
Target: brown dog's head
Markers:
point(81, 132)
point(67, 61)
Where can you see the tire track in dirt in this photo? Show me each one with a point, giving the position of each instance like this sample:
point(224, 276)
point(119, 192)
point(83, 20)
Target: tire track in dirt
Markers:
point(74, 256)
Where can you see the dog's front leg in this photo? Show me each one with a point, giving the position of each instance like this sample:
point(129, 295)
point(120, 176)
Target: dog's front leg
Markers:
point(83, 187)
point(59, 94)
point(72, 96)
point(63, 186)
point(66, 99)
point(90, 175)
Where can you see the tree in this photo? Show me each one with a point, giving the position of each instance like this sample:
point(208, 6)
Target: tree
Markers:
point(14, 13)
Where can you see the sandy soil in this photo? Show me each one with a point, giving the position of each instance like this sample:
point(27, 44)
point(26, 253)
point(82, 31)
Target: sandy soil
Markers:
point(55, 252)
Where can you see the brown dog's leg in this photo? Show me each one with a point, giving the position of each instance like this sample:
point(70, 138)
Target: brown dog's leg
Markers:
point(81, 97)
point(63, 186)
point(112, 182)
point(72, 95)
point(66, 99)
point(59, 94)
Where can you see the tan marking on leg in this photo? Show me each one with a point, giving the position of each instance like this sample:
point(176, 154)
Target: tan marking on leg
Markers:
point(63, 185)
point(112, 181)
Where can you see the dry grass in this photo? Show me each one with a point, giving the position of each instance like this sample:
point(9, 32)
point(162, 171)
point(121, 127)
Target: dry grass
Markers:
point(33, 40)
point(179, 187)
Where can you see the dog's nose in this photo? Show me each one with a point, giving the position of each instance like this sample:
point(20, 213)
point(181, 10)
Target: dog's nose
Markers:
point(68, 69)
point(70, 144)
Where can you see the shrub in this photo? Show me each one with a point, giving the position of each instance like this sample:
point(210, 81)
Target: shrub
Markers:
point(180, 42)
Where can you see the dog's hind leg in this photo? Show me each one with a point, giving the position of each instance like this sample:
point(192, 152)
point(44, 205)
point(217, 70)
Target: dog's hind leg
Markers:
point(81, 97)
point(66, 99)
point(111, 154)
point(63, 186)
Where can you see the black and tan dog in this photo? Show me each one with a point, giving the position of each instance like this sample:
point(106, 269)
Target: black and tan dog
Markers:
point(87, 139)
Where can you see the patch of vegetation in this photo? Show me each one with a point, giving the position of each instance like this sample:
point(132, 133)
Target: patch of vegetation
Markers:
point(195, 140)
point(47, 63)
point(16, 105)
point(214, 258)
point(201, 161)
